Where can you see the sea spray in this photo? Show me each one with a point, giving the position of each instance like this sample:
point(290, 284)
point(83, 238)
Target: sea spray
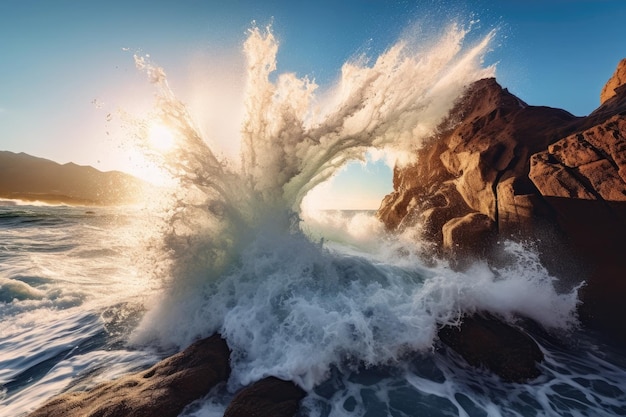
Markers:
point(290, 145)
point(294, 304)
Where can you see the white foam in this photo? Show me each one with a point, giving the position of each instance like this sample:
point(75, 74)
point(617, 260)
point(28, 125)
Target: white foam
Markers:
point(293, 309)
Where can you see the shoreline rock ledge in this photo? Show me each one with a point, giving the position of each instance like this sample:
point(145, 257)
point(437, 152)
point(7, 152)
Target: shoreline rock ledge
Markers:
point(164, 390)
point(170, 385)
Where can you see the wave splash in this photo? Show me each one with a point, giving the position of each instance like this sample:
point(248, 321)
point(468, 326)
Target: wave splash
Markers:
point(292, 142)
point(233, 247)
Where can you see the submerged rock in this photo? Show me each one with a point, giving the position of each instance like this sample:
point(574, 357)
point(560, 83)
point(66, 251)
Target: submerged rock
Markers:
point(486, 342)
point(271, 397)
point(163, 390)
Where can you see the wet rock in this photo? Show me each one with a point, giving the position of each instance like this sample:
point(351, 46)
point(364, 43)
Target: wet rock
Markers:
point(536, 173)
point(413, 186)
point(582, 178)
point(486, 342)
point(471, 229)
point(490, 137)
point(163, 390)
point(271, 397)
point(468, 237)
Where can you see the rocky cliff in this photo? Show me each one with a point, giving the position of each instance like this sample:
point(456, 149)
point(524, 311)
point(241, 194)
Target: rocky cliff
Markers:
point(501, 168)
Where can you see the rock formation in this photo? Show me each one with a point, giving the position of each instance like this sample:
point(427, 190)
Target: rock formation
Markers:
point(479, 166)
point(502, 168)
point(486, 342)
point(168, 387)
point(269, 397)
point(163, 390)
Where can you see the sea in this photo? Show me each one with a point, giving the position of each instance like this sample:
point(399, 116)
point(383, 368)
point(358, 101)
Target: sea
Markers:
point(328, 299)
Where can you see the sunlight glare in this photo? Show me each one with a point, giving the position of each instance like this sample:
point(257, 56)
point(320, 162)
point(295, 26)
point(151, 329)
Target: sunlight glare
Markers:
point(148, 170)
point(161, 138)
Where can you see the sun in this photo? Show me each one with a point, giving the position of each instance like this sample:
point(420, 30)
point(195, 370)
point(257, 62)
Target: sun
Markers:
point(161, 138)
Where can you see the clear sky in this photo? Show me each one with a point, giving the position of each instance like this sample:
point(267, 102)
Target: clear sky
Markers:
point(66, 65)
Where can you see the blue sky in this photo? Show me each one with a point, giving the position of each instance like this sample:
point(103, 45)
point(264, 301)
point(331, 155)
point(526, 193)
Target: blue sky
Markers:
point(65, 65)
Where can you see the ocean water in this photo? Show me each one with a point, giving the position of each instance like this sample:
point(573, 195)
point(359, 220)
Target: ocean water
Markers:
point(329, 300)
point(352, 319)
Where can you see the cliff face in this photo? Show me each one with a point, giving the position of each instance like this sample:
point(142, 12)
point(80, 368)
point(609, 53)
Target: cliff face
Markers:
point(478, 169)
point(505, 169)
point(30, 178)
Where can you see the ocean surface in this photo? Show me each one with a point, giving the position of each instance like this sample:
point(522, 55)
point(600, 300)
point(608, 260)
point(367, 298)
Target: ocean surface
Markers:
point(329, 300)
point(351, 319)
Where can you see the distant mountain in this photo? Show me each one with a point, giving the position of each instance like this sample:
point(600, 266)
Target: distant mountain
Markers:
point(30, 178)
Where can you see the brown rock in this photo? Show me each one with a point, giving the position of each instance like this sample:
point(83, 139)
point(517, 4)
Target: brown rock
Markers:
point(271, 397)
point(617, 80)
point(574, 151)
point(518, 206)
point(604, 179)
point(163, 390)
point(486, 342)
point(554, 180)
point(472, 230)
point(444, 205)
point(412, 185)
point(589, 165)
point(534, 172)
point(486, 150)
point(609, 137)
point(492, 137)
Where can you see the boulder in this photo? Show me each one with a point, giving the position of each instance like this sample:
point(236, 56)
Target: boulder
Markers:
point(271, 397)
point(486, 342)
point(163, 390)
point(474, 230)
